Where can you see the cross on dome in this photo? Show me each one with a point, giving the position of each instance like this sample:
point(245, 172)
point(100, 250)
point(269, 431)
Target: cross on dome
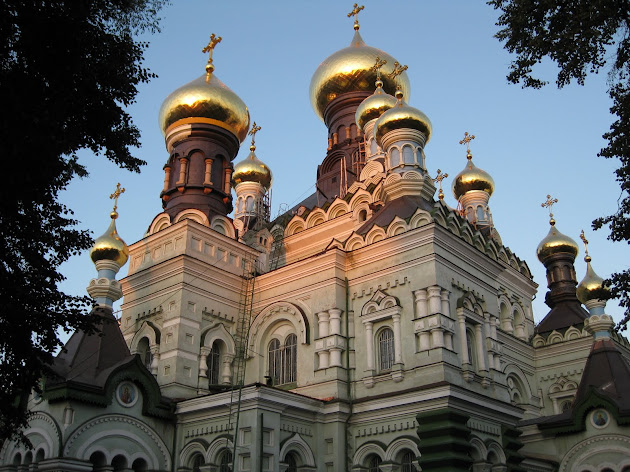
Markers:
point(587, 258)
point(252, 132)
point(377, 67)
point(355, 12)
point(438, 179)
point(467, 139)
point(398, 69)
point(549, 204)
point(214, 40)
point(114, 196)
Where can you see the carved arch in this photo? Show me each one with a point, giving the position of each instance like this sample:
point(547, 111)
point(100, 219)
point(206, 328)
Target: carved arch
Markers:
point(316, 217)
point(218, 332)
point(398, 445)
point(375, 235)
point(366, 450)
point(354, 242)
point(297, 444)
point(338, 208)
point(192, 214)
point(420, 218)
point(479, 452)
point(218, 446)
point(398, 226)
point(196, 446)
point(222, 224)
point(494, 448)
point(160, 222)
point(275, 313)
point(295, 226)
point(147, 330)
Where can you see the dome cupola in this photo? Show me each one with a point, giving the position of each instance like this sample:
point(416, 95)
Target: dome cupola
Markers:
point(556, 243)
point(252, 169)
point(110, 246)
point(402, 116)
point(376, 104)
point(592, 285)
point(206, 100)
point(472, 177)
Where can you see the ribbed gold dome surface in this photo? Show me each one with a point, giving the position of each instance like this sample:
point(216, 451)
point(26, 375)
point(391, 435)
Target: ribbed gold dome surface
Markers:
point(349, 70)
point(374, 106)
point(555, 243)
point(592, 285)
point(206, 102)
point(252, 169)
point(110, 246)
point(472, 178)
point(402, 116)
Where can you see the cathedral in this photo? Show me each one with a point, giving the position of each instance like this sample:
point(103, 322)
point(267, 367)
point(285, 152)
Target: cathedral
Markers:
point(371, 327)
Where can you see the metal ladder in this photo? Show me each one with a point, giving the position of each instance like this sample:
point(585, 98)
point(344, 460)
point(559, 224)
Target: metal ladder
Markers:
point(243, 324)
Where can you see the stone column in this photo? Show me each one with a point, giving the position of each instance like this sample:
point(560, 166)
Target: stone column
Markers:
point(425, 341)
point(203, 362)
point(226, 184)
point(208, 174)
point(167, 176)
point(335, 357)
point(448, 340)
point(480, 349)
point(397, 341)
point(463, 343)
point(421, 303)
point(324, 359)
point(369, 345)
point(435, 300)
point(446, 306)
point(335, 320)
point(155, 359)
point(226, 368)
point(323, 322)
point(182, 171)
point(438, 337)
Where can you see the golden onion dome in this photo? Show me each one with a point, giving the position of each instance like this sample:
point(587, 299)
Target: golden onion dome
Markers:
point(202, 101)
point(252, 169)
point(110, 246)
point(374, 106)
point(592, 285)
point(402, 116)
point(556, 243)
point(351, 70)
point(472, 178)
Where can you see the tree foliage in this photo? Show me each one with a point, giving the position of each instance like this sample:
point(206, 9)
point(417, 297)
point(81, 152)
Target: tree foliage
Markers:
point(67, 70)
point(582, 37)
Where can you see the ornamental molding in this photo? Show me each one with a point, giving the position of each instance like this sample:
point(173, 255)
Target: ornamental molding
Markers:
point(211, 429)
point(125, 422)
point(379, 287)
point(557, 375)
point(275, 313)
point(594, 445)
point(386, 428)
point(298, 430)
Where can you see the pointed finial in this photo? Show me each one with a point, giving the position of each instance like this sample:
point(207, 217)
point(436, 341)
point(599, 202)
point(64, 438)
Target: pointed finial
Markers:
point(549, 204)
point(214, 40)
point(587, 258)
point(114, 196)
point(467, 139)
point(440, 177)
point(355, 12)
point(398, 69)
point(377, 68)
point(252, 132)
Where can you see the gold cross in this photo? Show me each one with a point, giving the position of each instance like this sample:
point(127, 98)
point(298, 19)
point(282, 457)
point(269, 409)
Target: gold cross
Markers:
point(398, 69)
point(467, 139)
point(114, 196)
point(440, 177)
point(252, 132)
point(585, 241)
point(355, 12)
point(214, 40)
point(377, 67)
point(548, 204)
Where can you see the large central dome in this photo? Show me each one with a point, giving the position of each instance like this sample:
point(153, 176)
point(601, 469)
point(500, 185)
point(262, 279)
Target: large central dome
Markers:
point(349, 70)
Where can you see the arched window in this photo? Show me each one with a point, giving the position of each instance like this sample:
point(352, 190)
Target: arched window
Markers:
point(225, 461)
point(386, 349)
point(249, 203)
point(372, 147)
point(480, 215)
point(197, 462)
point(394, 158)
point(283, 360)
point(291, 463)
point(119, 462)
point(374, 463)
point(408, 157)
point(470, 344)
point(290, 359)
point(145, 352)
point(214, 364)
point(363, 215)
point(406, 464)
point(139, 465)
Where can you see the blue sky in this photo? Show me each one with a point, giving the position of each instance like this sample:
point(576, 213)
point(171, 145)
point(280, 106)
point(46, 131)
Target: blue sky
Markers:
point(532, 142)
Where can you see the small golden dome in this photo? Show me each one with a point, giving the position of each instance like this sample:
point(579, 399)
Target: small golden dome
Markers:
point(110, 246)
point(402, 116)
point(206, 102)
point(252, 169)
point(555, 243)
point(472, 178)
point(350, 70)
point(374, 106)
point(592, 285)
